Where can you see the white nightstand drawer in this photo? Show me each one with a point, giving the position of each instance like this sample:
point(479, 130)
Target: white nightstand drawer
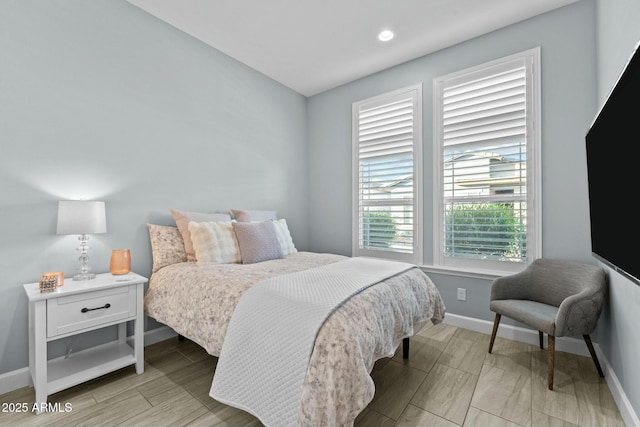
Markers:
point(89, 310)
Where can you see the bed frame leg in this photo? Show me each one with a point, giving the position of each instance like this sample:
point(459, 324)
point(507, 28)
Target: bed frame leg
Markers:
point(405, 348)
point(180, 338)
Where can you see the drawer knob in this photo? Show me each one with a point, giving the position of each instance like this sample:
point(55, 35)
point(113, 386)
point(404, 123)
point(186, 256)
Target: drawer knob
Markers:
point(84, 310)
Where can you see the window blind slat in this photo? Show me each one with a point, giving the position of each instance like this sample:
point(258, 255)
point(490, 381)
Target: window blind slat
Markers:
point(387, 116)
point(504, 137)
point(487, 106)
point(498, 115)
point(373, 127)
point(365, 114)
point(486, 82)
point(502, 91)
point(403, 132)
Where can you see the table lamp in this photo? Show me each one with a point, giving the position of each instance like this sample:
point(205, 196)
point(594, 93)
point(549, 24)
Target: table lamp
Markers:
point(82, 217)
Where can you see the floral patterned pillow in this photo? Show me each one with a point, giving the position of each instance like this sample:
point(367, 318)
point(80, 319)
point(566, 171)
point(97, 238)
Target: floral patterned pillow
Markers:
point(167, 246)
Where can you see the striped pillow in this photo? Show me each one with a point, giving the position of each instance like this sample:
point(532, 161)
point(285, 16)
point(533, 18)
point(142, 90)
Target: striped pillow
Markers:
point(215, 241)
point(183, 219)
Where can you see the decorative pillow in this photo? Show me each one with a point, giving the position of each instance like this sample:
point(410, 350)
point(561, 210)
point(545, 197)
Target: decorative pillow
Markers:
point(258, 241)
point(284, 237)
point(184, 218)
point(167, 246)
point(215, 241)
point(241, 215)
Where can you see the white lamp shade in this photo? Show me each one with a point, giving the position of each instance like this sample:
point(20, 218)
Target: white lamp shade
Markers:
point(81, 217)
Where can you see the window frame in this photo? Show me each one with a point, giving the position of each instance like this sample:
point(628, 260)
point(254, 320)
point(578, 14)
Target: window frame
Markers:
point(416, 257)
point(531, 60)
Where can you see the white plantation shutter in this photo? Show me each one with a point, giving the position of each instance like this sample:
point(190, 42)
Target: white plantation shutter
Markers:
point(490, 109)
point(386, 144)
point(485, 145)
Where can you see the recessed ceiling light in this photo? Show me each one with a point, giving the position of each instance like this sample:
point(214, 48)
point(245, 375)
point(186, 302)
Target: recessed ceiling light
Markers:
point(385, 35)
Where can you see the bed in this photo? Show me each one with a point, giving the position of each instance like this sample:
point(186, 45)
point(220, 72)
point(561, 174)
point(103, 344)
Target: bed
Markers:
point(198, 299)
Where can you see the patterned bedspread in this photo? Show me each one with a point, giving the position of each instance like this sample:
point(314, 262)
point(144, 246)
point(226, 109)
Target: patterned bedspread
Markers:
point(197, 301)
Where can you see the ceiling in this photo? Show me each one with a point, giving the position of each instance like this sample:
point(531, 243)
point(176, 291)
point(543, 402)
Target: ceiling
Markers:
point(315, 45)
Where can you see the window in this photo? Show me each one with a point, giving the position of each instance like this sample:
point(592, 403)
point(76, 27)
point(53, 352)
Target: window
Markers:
point(387, 147)
point(486, 143)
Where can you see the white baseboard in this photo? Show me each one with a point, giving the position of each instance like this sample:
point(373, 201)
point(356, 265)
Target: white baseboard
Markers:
point(626, 410)
point(14, 380)
point(566, 344)
point(19, 378)
point(516, 333)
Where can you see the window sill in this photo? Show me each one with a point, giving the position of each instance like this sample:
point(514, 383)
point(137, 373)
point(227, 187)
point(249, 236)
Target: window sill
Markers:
point(474, 274)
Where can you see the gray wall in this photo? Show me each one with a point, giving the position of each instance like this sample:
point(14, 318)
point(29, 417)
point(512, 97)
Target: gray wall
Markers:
point(567, 40)
point(619, 337)
point(100, 100)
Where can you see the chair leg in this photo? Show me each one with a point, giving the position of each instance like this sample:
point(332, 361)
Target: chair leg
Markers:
point(552, 350)
point(496, 322)
point(587, 339)
point(541, 336)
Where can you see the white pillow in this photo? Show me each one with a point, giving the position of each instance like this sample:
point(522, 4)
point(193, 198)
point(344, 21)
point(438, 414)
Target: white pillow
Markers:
point(215, 241)
point(284, 237)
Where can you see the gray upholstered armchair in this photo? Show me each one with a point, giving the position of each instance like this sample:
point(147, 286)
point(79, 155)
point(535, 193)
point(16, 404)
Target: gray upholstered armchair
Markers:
point(559, 298)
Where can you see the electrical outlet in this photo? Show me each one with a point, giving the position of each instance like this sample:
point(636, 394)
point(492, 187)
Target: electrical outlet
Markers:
point(462, 294)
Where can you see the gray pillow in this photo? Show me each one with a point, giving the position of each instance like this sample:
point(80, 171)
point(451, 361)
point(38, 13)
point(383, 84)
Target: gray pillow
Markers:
point(258, 241)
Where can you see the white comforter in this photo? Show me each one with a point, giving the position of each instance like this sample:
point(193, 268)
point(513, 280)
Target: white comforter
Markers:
point(198, 301)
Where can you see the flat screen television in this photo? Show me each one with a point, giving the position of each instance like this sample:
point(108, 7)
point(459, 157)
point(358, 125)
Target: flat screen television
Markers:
point(613, 166)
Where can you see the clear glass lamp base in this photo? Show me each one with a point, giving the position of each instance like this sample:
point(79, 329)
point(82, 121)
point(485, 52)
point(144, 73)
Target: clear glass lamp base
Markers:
point(84, 260)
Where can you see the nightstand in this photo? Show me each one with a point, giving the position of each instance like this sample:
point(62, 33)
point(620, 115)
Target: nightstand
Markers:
point(77, 307)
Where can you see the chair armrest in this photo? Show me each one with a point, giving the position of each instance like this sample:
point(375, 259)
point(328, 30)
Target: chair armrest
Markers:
point(511, 287)
point(578, 314)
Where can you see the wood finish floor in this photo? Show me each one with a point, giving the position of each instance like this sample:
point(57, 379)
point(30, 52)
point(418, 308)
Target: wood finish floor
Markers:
point(449, 380)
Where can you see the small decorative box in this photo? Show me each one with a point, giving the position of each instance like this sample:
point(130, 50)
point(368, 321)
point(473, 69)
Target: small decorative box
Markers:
point(51, 280)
